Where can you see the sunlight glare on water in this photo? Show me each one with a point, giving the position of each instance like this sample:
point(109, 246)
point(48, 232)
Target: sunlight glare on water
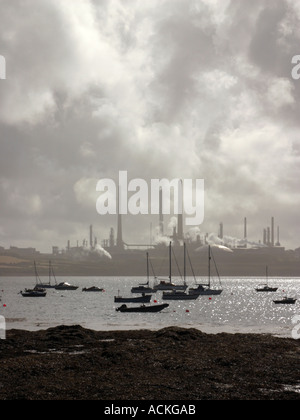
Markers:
point(240, 309)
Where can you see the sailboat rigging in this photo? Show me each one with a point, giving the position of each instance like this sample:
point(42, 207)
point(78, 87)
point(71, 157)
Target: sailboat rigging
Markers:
point(179, 294)
point(145, 288)
point(168, 285)
point(266, 288)
point(204, 289)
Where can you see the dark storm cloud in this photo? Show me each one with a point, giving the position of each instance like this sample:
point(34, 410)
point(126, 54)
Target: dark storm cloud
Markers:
point(173, 88)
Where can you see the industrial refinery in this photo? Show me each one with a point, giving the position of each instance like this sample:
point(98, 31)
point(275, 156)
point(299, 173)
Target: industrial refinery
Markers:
point(115, 255)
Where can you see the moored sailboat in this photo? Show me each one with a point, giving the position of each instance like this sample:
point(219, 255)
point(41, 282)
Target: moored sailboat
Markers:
point(144, 288)
point(38, 290)
point(205, 289)
point(51, 274)
point(177, 294)
point(168, 285)
point(266, 288)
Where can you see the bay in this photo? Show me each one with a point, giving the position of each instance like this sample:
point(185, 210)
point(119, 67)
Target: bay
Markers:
point(240, 309)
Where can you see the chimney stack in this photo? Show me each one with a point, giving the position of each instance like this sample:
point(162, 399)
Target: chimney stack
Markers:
point(245, 229)
point(180, 227)
point(265, 237)
point(91, 237)
point(278, 237)
point(120, 243)
point(272, 232)
point(180, 215)
point(268, 236)
point(161, 216)
point(221, 232)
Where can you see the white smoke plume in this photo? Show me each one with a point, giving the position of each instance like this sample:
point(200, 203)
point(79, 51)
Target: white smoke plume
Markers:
point(101, 252)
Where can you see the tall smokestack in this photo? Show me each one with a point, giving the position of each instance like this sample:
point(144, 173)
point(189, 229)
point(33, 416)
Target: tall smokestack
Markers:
point(180, 227)
point(161, 216)
point(91, 237)
point(120, 243)
point(278, 237)
point(112, 238)
point(221, 232)
point(245, 229)
point(180, 215)
point(272, 232)
point(265, 237)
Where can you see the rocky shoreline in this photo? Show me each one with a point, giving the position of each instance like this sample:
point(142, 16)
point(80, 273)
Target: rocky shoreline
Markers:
point(72, 363)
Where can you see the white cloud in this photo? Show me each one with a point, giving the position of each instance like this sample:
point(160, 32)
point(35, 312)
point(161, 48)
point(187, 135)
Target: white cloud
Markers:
point(280, 93)
point(173, 88)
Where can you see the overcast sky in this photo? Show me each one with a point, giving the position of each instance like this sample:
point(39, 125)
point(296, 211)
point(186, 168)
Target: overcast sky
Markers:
point(160, 88)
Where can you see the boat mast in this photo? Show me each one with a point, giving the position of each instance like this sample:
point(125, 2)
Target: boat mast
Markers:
point(37, 278)
point(170, 261)
point(184, 264)
point(148, 276)
point(209, 265)
point(49, 272)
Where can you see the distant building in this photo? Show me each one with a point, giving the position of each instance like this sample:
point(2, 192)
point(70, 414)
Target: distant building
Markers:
point(23, 252)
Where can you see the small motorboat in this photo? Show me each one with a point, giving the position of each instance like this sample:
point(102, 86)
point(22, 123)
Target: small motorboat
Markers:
point(36, 292)
point(92, 289)
point(65, 286)
point(285, 301)
point(142, 309)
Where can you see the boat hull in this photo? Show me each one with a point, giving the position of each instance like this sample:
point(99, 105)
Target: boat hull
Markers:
point(207, 292)
point(141, 290)
point(285, 302)
point(179, 296)
point(92, 290)
point(169, 287)
point(65, 286)
point(34, 294)
point(142, 299)
point(269, 290)
point(142, 309)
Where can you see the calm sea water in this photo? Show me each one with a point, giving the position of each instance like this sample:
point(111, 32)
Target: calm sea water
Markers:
point(239, 309)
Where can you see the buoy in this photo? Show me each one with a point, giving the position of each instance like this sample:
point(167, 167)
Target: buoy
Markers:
point(4, 306)
point(187, 311)
point(155, 301)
